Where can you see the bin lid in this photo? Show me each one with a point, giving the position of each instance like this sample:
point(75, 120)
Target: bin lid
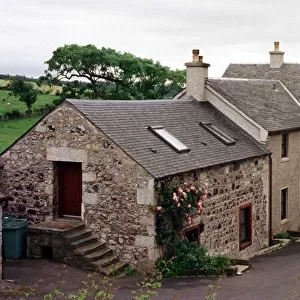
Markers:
point(12, 223)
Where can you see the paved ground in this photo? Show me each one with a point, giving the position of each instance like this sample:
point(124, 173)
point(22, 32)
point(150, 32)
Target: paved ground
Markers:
point(272, 277)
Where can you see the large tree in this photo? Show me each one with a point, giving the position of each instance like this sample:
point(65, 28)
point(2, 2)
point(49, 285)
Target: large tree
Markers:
point(25, 91)
point(107, 74)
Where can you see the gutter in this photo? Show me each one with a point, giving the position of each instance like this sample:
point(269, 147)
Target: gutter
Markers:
point(270, 198)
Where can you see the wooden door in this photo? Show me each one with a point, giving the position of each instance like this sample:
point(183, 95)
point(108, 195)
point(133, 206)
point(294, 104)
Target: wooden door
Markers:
point(69, 188)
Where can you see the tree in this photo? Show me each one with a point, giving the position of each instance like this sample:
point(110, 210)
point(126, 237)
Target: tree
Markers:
point(25, 91)
point(107, 74)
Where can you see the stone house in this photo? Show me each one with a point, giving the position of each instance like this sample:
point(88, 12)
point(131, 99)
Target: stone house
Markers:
point(263, 100)
point(102, 162)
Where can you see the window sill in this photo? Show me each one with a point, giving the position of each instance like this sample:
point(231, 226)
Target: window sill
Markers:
point(284, 221)
point(284, 159)
point(245, 245)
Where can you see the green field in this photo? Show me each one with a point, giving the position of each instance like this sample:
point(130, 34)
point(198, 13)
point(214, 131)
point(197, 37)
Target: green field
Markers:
point(44, 88)
point(8, 103)
point(11, 130)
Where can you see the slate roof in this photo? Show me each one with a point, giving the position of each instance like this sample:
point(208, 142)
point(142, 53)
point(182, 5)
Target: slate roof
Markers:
point(264, 101)
point(288, 74)
point(126, 123)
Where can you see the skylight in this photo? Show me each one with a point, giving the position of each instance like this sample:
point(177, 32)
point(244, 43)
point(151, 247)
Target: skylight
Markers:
point(220, 135)
point(169, 138)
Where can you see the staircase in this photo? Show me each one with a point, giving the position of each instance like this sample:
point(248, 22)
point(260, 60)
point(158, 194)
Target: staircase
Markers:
point(71, 242)
point(91, 254)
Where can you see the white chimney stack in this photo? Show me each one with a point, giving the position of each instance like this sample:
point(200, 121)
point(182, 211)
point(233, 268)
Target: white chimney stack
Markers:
point(276, 57)
point(196, 73)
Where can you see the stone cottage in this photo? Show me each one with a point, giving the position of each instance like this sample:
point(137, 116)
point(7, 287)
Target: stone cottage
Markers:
point(264, 100)
point(100, 162)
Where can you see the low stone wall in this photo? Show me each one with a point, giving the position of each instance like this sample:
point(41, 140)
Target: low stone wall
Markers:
point(230, 187)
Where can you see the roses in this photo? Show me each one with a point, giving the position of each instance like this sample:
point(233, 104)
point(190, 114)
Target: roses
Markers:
point(185, 202)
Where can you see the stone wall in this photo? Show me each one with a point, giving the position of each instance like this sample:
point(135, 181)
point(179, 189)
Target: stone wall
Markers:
point(230, 187)
point(116, 190)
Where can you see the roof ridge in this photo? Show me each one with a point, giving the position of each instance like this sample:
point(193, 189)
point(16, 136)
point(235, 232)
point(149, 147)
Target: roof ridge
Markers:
point(127, 101)
point(241, 79)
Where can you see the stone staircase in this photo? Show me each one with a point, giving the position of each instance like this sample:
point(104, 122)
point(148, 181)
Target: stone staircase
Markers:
point(91, 254)
point(74, 244)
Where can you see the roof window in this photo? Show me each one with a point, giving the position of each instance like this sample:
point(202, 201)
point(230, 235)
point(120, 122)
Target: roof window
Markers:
point(224, 138)
point(168, 138)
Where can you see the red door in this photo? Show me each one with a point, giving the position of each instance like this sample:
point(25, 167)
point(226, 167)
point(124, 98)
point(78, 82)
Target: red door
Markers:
point(69, 188)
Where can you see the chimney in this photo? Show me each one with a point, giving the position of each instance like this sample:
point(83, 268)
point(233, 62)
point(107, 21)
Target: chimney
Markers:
point(276, 57)
point(196, 73)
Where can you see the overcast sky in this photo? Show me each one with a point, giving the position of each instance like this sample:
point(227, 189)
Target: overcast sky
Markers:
point(165, 30)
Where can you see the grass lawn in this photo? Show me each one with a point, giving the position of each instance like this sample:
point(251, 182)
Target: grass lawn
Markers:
point(11, 130)
point(14, 103)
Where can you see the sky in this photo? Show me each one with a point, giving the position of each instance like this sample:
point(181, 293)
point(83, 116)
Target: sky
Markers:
point(225, 31)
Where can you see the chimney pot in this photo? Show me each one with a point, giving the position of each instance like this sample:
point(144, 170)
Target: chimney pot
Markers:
point(201, 58)
point(195, 55)
point(276, 46)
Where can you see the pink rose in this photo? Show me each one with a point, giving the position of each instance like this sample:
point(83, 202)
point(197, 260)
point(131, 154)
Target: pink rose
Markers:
point(180, 190)
point(200, 204)
point(187, 190)
point(175, 198)
point(192, 188)
point(204, 197)
point(178, 205)
point(184, 195)
point(189, 206)
point(199, 211)
point(158, 208)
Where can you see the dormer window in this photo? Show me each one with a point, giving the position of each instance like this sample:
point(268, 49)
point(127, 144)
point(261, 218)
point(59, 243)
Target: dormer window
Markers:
point(169, 139)
point(220, 135)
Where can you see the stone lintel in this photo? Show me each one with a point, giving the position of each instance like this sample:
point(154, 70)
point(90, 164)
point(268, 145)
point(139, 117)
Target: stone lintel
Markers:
point(66, 154)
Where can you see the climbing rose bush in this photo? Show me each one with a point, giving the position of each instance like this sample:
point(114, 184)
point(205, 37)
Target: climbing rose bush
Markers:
point(176, 209)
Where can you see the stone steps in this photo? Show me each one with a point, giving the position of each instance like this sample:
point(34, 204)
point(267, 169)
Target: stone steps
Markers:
point(84, 241)
point(80, 234)
point(98, 254)
point(114, 269)
point(91, 254)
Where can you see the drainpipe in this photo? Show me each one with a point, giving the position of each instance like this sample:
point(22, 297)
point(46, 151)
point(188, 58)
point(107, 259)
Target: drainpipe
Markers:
point(270, 199)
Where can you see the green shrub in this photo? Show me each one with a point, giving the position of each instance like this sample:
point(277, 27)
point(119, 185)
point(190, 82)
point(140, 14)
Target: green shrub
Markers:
point(283, 235)
point(14, 114)
point(191, 259)
point(57, 101)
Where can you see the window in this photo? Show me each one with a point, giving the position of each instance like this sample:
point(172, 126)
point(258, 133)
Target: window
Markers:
point(284, 145)
point(169, 138)
point(224, 138)
point(284, 203)
point(245, 226)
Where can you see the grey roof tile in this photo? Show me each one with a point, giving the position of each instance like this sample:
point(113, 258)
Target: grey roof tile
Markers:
point(126, 122)
point(265, 101)
point(288, 74)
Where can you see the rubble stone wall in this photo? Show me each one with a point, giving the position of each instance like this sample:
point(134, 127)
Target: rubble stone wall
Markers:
point(116, 190)
point(230, 187)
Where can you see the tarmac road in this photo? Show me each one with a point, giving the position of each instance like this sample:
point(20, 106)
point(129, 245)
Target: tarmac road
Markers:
point(273, 276)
